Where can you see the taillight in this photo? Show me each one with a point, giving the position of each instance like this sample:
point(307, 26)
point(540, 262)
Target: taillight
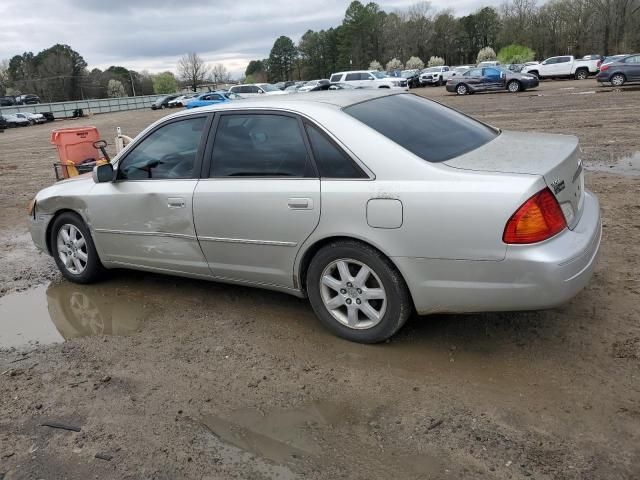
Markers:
point(538, 219)
point(598, 63)
point(605, 67)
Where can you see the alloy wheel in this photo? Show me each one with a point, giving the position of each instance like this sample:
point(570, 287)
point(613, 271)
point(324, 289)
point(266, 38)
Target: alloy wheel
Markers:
point(353, 293)
point(72, 249)
point(617, 80)
point(462, 89)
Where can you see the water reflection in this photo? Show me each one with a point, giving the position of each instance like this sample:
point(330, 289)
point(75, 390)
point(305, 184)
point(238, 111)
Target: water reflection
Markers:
point(62, 310)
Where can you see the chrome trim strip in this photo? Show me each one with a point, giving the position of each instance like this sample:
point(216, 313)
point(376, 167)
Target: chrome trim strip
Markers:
point(147, 234)
point(247, 241)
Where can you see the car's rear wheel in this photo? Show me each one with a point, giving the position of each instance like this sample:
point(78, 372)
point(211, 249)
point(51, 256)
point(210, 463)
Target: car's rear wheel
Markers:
point(514, 86)
point(582, 74)
point(357, 293)
point(462, 89)
point(73, 249)
point(618, 80)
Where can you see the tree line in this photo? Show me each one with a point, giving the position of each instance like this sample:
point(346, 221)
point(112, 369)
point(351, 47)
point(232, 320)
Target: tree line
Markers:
point(368, 34)
point(59, 74)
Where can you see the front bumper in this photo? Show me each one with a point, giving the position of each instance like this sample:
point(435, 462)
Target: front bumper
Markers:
point(531, 277)
point(38, 230)
point(530, 83)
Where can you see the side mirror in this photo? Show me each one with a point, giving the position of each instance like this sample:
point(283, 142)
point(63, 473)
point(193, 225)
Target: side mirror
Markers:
point(103, 173)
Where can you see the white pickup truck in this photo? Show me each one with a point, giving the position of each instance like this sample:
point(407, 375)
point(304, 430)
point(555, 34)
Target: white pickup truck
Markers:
point(435, 75)
point(563, 66)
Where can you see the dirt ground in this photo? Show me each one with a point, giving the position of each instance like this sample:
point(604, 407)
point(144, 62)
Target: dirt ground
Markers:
point(173, 378)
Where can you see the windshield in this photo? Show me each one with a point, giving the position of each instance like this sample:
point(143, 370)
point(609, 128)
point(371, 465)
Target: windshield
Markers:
point(432, 69)
point(267, 87)
point(378, 74)
point(429, 130)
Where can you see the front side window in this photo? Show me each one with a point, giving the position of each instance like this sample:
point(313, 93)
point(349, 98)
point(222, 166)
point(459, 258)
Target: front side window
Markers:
point(167, 153)
point(330, 160)
point(492, 72)
point(259, 145)
point(429, 130)
point(551, 61)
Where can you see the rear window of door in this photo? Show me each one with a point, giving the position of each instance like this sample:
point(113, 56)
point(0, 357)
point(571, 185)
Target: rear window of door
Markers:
point(259, 145)
point(331, 161)
point(429, 130)
point(167, 153)
point(563, 59)
point(352, 76)
point(475, 72)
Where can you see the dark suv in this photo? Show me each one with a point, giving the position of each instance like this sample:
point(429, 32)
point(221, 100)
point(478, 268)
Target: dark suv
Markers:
point(27, 99)
point(7, 101)
point(162, 102)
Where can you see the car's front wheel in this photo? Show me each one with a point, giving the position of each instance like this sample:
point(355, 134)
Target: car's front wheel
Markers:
point(514, 86)
point(462, 89)
point(357, 293)
point(73, 249)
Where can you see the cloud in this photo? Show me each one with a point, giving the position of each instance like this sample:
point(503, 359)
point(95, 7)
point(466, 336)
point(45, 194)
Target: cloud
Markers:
point(152, 34)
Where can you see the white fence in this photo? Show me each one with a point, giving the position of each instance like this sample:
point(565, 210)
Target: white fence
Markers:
point(103, 105)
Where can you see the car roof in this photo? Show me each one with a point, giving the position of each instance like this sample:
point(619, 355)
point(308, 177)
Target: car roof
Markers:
point(325, 98)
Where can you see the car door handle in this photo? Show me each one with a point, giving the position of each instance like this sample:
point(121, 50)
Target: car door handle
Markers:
point(175, 202)
point(300, 204)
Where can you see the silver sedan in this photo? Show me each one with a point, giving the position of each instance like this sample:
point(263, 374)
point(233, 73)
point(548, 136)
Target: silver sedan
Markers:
point(372, 205)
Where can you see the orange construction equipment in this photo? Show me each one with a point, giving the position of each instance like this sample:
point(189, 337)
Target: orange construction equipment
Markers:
point(76, 151)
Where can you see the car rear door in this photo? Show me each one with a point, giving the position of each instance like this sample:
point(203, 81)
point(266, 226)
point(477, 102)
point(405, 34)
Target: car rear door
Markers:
point(474, 79)
point(144, 217)
point(259, 197)
point(632, 68)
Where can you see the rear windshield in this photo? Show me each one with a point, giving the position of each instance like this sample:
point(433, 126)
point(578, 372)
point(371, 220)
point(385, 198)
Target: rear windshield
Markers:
point(431, 131)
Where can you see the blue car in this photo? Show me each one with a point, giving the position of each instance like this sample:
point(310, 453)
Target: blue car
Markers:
point(209, 98)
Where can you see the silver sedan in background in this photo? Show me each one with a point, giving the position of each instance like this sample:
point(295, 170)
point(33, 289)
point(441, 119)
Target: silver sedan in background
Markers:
point(370, 204)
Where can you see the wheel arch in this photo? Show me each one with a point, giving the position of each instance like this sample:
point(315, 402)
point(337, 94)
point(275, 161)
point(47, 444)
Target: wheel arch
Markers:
point(300, 274)
point(52, 221)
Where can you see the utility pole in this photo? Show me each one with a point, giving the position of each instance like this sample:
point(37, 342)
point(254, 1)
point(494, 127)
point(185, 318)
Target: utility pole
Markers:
point(133, 88)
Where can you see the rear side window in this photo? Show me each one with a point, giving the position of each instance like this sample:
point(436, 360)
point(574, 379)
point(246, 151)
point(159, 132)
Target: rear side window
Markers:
point(431, 131)
point(330, 160)
point(335, 78)
point(352, 76)
point(259, 145)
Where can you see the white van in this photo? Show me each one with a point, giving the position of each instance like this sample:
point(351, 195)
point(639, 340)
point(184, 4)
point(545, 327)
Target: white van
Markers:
point(370, 79)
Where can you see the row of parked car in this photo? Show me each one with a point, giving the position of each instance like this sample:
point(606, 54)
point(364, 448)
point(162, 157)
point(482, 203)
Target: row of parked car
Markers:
point(25, 99)
point(23, 119)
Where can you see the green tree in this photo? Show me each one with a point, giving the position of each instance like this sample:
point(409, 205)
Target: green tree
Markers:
point(515, 54)
point(164, 82)
point(282, 59)
point(360, 35)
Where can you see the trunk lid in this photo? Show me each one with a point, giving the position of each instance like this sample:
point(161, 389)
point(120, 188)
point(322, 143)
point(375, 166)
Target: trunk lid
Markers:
point(554, 157)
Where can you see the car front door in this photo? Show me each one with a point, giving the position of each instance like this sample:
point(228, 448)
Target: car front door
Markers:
point(547, 68)
point(144, 217)
point(259, 197)
point(493, 78)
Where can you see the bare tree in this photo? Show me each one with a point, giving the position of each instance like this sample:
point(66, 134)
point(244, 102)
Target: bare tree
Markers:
point(220, 73)
point(193, 70)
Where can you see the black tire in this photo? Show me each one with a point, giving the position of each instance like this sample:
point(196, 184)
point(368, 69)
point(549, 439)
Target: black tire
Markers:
point(582, 74)
point(514, 86)
point(398, 304)
point(535, 74)
point(618, 79)
point(462, 89)
point(93, 269)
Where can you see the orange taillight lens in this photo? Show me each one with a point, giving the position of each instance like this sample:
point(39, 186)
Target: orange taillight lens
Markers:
point(538, 219)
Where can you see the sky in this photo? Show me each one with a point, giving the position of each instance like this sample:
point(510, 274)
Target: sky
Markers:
point(152, 34)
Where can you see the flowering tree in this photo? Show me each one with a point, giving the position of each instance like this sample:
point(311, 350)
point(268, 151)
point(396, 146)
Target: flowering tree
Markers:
point(435, 62)
point(486, 54)
point(414, 63)
point(375, 65)
point(394, 64)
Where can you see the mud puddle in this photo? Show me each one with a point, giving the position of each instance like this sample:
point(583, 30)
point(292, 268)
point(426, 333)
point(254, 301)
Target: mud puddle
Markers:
point(627, 166)
point(61, 310)
point(279, 435)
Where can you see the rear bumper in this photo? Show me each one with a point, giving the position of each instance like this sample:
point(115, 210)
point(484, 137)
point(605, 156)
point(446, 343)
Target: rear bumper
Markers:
point(531, 277)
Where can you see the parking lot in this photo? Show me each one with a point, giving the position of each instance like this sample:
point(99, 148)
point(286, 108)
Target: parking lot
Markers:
point(176, 378)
